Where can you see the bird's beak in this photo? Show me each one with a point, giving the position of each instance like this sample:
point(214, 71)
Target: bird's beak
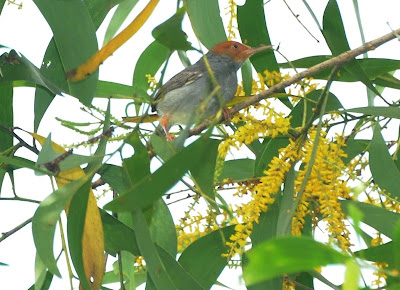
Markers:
point(252, 50)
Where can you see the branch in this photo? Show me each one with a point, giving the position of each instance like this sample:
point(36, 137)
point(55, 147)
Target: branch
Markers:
point(338, 61)
point(14, 230)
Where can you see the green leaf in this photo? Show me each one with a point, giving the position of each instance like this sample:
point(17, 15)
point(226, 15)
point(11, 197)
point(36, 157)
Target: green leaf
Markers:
point(118, 236)
point(237, 170)
point(170, 32)
point(266, 229)
point(98, 9)
point(375, 216)
point(19, 71)
point(155, 267)
point(52, 69)
point(288, 255)
point(45, 220)
point(180, 277)
point(381, 163)
point(253, 31)
point(268, 151)
point(118, 18)
point(155, 185)
point(203, 173)
point(382, 253)
point(202, 259)
point(119, 91)
point(75, 228)
point(136, 167)
point(149, 62)
point(6, 115)
point(43, 277)
point(335, 36)
point(18, 162)
point(377, 69)
point(297, 113)
point(284, 225)
point(388, 112)
point(247, 77)
point(353, 148)
point(206, 21)
point(114, 175)
point(352, 275)
point(162, 228)
point(76, 42)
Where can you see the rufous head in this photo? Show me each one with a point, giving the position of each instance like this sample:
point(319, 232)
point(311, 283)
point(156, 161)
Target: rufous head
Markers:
point(237, 51)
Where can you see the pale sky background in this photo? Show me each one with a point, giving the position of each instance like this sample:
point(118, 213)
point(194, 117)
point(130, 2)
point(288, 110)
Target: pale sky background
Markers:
point(27, 32)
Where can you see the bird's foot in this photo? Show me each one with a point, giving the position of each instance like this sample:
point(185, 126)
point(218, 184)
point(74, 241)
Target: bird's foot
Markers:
point(227, 114)
point(170, 137)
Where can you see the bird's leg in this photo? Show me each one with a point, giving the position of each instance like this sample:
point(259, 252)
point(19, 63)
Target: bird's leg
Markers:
point(164, 123)
point(227, 114)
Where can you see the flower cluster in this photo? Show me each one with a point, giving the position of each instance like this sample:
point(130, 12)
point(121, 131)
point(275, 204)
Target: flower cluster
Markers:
point(271, 125)
point(324, 188)
point(262, 197)
point(232, 24)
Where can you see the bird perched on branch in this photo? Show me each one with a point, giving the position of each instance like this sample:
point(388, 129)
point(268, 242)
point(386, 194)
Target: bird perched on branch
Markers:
point(202, 89)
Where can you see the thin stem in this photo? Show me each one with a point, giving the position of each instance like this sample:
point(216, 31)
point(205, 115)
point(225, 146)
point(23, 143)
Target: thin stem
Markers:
point(14, 230)
point(65, 249)
point(121, 271)
point(17, 198)
point(321, 111)
point(301, 23)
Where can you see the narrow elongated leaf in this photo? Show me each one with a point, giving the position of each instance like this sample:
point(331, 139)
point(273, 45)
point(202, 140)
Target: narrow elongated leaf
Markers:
point(162, 228)
point(75, 230)
point(117, 236)
point(269, 149)
point(389, 112)
point(45, 220)
point(80, 30)
point(237, 170)
point(6, 115)
point(52, 69)
point(382, 253)
point(136, 167)
point(265, 230)
point(298, 112)
point(335, 36)
point(375, 216)
point(155, 267)
point(286, 256)
point(254, 32)
point(373, 67)
point(202, 259)
point(170, 32)
point(206, 21)
point(118, 18)
point(155, 185)
point(383, 168)
point(19, 71)
point(203, 173)
point(181, 278)
point(149, 62)
point(93, 237)
point(119, 91)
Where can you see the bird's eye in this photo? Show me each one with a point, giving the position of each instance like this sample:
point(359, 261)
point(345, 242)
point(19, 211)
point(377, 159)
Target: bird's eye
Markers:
point(235, 46)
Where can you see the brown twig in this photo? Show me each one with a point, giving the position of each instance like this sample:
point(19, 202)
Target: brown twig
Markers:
point(14, 230)
point(338, 61)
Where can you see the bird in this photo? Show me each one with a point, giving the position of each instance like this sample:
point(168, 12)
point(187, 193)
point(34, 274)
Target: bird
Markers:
point(190, 95)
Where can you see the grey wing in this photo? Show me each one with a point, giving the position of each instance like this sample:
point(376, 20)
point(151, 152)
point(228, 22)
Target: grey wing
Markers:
point(185, 77)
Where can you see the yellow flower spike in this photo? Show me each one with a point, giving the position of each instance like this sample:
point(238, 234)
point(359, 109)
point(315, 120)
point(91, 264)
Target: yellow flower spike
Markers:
point(93, 237)
point(99, 57)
